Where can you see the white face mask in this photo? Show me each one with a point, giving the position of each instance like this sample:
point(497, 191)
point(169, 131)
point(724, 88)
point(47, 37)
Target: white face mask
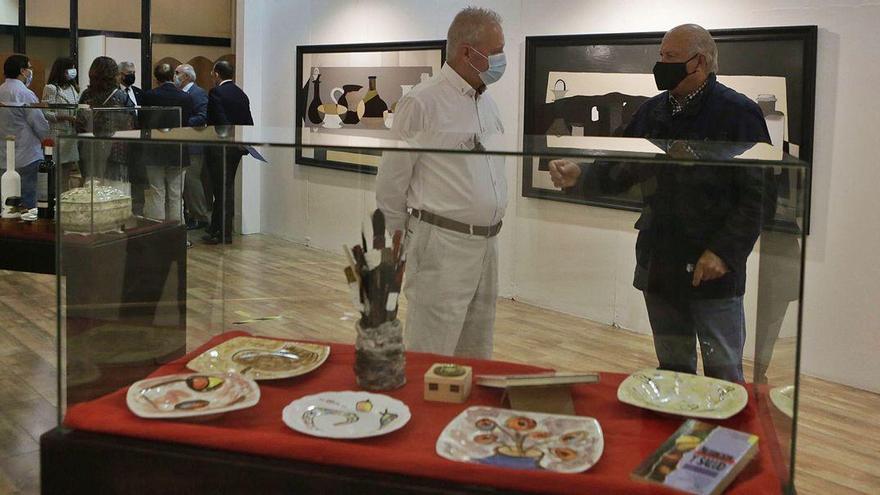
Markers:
point(497, 65)
point(178, 80)
point(71, 74)
point(29, 78)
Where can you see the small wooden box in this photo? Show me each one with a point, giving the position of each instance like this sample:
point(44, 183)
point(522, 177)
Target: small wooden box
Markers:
point(448, 382)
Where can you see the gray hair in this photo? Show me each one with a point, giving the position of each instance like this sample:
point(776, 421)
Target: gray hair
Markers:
point(188, 70)
point(469, 27)
point(124, 66)
point(700, 41)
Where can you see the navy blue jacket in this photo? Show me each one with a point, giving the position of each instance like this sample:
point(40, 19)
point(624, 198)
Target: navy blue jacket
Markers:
point(166, 95)
point(691, 208)
point(228, 105)
point(200, 106)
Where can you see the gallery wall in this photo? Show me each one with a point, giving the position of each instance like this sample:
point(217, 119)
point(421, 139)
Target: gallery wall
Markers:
point(579, 259)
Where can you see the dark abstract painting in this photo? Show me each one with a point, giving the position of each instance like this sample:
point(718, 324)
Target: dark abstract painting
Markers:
point(591, 85)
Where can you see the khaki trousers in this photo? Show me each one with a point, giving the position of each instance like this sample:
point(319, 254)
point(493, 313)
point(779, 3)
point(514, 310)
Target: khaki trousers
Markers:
point(451, 289)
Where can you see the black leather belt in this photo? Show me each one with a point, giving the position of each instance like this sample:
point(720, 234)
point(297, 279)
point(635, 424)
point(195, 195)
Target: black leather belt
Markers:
point(456, 226)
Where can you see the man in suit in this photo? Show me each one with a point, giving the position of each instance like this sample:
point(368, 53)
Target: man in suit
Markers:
point(127, 77)
point(227, 106)
point(165, 162)
point(195, 204)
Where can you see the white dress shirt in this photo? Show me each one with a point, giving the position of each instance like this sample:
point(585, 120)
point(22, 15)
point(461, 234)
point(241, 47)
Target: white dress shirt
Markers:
point(186, 87)
point(444, 112)
point(29, 126)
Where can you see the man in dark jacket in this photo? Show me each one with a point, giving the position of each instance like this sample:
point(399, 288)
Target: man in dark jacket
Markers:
point(227, 106)
point(699, 223)
point(164, 162)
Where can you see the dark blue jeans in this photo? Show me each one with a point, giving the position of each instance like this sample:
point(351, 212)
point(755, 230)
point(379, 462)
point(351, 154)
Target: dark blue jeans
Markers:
point(28, 175)
point(718, 324)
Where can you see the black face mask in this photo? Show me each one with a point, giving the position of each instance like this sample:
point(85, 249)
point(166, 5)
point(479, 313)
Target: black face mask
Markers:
point(668, 75)
point(128, 79)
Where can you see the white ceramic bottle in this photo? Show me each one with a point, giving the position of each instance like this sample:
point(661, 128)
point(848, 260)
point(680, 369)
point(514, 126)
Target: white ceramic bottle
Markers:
point(10, 183)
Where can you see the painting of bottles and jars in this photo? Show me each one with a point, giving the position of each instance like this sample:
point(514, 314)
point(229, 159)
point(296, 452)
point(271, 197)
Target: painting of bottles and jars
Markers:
point(358, 97)
point(353, 91)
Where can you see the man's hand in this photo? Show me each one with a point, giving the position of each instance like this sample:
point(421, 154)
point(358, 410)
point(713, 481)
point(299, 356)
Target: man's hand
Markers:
point(709, 267)
point(564, 173)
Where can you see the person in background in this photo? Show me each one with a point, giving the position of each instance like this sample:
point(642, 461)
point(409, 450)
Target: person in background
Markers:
point(228, 105)
point(109, 162)
point(29, 127)
point(165, 163)
point(195, 204)
point(62, 89)
point(126, 84)
point(699, 223)
point(451, 205)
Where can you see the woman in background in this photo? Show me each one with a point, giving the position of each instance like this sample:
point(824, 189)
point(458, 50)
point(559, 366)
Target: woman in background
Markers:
point(105, 160)
point(62, 89)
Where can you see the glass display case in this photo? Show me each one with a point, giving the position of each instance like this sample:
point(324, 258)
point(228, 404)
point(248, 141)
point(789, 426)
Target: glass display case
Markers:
point(707, 275)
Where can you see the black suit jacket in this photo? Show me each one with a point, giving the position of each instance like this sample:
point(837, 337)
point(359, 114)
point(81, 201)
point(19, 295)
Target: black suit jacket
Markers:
point(138, 94)
point(228, 105)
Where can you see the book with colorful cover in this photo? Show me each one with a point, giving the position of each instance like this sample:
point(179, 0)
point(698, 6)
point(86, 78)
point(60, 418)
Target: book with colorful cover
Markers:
point(699, 458)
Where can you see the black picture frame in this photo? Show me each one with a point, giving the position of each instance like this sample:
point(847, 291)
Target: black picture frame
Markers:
point(320, 154)
point(788, 52)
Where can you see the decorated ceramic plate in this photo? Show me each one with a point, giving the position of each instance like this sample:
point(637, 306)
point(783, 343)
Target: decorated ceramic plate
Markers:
point(522, 440)
point(346, 415)
point(192, 394)
point(783, 398)
point(261, 359)
point(683, 394)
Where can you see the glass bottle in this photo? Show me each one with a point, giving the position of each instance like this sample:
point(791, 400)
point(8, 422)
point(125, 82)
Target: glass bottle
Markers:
point(10, 183)
point(46, 183)
point(374, 105)
point(314, 115)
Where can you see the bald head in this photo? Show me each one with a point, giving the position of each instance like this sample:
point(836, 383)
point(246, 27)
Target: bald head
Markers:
point(163, 73)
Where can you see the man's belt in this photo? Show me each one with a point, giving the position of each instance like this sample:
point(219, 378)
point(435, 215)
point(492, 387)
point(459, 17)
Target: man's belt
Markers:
point(456, 226)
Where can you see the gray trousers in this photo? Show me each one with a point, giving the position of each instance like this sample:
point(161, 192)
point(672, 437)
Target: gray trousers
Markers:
point(194, 198)
point(451, 289)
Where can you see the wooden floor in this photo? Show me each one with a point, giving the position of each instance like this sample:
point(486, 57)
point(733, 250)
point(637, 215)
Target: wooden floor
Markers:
point(261, 276)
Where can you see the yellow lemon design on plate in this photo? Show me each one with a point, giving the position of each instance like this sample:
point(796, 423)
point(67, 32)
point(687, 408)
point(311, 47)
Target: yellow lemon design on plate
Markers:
point(364, 406)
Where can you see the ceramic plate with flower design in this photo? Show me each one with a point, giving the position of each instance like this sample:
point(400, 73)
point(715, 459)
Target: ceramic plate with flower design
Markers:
point(522, 440)
point(261, 359)
point(191, 394)
point(683, 394)
point(783, 398)
point(346, 415)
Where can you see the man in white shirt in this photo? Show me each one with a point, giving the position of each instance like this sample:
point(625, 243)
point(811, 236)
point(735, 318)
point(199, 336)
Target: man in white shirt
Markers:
point(451, 205)
point(29, 127)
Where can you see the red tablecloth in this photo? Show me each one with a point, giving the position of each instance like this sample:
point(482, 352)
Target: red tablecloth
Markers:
point(631, 434)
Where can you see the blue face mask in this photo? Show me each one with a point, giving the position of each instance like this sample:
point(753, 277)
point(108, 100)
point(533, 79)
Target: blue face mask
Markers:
point(29, 78)
point(497, 64)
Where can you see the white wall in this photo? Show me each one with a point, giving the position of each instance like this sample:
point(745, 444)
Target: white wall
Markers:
point(840, 333)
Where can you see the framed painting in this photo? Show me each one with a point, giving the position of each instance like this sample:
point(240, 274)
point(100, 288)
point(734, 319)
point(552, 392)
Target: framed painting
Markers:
point(591, 85)
point(353, 90)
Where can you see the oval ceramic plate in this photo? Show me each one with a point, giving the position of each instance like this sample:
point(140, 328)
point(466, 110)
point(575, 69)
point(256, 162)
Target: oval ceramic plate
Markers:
point(522, 440)
point(191, 394)
point(683, 394)
point(261, 359)
point(783, 398)
point(346, 415)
